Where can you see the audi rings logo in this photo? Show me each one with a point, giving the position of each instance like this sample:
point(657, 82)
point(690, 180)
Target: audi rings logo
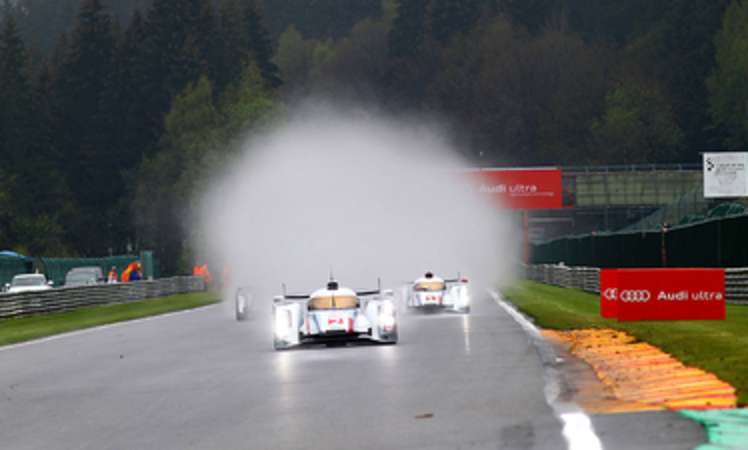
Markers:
point(610, 294)
point(631, 296)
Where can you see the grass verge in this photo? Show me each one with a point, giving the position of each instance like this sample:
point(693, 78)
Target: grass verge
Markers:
point(720, 347)
point(33, 327)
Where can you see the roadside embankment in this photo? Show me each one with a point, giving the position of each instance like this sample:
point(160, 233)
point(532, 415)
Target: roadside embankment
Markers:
point(716, 347)
point(642, 375)
point(42, 325)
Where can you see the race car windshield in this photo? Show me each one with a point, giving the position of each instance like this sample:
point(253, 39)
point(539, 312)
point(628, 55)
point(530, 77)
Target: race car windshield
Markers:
point(429, 286)
point(333, 302)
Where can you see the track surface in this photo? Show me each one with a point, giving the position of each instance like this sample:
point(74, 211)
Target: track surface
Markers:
point(200, 380)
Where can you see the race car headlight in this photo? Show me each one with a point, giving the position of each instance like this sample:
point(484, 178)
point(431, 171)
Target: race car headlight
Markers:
point(387, 322)
point(282, 323)
point(387, 315)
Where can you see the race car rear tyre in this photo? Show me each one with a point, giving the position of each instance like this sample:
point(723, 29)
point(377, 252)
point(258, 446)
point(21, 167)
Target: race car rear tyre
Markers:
point(335, 344)
point(391, 339)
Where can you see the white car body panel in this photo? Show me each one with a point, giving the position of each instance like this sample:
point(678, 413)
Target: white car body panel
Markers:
point(375, 319)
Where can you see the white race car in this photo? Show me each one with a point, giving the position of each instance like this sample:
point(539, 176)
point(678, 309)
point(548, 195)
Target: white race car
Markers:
point(431, 293)
point(332, 315)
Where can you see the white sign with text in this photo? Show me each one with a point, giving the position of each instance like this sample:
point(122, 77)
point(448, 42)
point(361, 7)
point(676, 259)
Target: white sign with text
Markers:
point(725, 175)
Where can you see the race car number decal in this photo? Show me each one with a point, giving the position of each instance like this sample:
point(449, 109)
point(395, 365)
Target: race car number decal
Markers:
point(335, 323)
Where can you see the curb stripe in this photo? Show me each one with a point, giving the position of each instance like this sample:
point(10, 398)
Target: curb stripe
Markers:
point(578, 429)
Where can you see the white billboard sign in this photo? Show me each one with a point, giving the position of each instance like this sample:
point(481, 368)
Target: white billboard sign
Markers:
point(725, 175)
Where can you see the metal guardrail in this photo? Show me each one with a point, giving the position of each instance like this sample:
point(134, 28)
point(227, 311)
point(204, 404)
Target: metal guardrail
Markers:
point(62, 299)
point(583, 278)
point(588, 279)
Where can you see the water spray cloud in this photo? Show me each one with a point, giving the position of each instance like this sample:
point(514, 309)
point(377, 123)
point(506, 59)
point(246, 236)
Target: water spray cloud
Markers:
point(347, 189)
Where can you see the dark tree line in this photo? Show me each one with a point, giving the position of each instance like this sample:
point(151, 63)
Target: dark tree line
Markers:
point(77, 124)
point(113, 112)
point(536, 81)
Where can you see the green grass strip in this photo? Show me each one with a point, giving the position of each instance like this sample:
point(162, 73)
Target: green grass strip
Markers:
point(719, 347)
point(33, 327)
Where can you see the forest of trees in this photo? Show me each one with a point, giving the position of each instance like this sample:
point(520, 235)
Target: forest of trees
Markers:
point(113, 112)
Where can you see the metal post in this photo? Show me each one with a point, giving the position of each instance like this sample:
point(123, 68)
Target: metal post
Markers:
point(526, 236)
point(663, 244)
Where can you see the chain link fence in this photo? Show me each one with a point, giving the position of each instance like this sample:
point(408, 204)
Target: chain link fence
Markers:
point(63, 299)
point(588, 279)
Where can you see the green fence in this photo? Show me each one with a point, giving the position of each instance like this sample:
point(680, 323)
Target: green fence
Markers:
point(711, 243)
point(56, 268)
point(10, 266)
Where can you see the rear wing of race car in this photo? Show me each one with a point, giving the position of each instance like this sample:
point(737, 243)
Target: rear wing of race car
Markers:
point(459, 279)
point(369, 293)
point(378, 291)
point(286, 296)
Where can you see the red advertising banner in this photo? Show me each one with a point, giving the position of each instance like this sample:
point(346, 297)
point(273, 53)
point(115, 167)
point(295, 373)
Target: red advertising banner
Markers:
point(608, 293)
point(521, 188)
point(670, 294)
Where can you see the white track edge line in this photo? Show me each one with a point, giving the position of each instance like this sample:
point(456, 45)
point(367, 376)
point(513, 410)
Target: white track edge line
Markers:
point(102, 327)
point(577, 426)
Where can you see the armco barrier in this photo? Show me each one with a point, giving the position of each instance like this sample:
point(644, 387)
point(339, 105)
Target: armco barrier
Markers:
point(61, 299)
point(588, 279)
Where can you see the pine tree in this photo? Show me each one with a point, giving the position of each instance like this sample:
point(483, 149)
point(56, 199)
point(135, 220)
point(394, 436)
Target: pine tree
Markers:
point(15, 92)
point(449, 17)
point(135, 136)
point(85, 126)
point(728, 83)
point(413, 57)
point(12, 115)
point(408, 29)
point(50, 192)
point(16, 115)
point(178, 34)
point(532, 14)
point(259, 45)
point(231, 45)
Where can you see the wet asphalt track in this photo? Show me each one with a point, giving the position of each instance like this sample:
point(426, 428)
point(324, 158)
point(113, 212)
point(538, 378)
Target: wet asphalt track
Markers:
point(200, 380)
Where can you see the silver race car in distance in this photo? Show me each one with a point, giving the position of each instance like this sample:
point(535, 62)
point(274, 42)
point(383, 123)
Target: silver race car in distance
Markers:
point(334, 314)
point(243, 303)
point(431, 293)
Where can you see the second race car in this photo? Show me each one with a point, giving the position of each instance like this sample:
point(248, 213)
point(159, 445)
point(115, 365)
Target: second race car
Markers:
point(431, 293)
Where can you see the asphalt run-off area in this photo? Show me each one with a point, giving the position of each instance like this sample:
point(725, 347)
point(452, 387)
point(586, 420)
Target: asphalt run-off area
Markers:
point(200, 380)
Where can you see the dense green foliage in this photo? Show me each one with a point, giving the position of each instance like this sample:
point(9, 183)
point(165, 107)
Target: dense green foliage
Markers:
point(34, 327)
point(94, 127)
point(715, 346)
point(729, 81)
point(114, 112)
